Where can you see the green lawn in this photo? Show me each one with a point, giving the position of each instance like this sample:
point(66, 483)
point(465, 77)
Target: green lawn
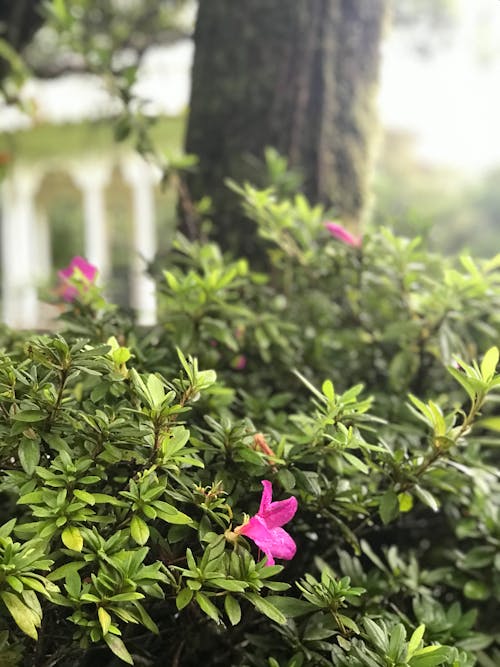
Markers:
point(49, 141)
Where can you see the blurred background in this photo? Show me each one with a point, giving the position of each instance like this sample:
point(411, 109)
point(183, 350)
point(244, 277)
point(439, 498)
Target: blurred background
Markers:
point(73, 183)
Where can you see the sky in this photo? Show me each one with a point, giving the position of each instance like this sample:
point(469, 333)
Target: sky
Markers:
point(450, 102)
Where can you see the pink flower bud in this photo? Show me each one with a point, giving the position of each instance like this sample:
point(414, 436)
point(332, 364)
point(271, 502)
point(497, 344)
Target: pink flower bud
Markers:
point(343, 235)
point(239, 362)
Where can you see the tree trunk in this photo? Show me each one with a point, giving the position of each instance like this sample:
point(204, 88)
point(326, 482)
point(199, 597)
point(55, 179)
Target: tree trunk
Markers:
point(19, 20)
point(297, 75)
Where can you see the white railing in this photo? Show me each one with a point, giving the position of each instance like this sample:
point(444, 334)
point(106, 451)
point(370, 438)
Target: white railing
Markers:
point(26, 235)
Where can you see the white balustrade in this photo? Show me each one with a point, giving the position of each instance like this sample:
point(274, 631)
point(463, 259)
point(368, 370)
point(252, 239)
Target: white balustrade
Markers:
point(26, 238)
point(20, 252)
point(92, 178)
point(142, 178)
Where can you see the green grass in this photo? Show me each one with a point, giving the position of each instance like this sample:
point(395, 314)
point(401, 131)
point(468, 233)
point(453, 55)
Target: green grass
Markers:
point(52, 141)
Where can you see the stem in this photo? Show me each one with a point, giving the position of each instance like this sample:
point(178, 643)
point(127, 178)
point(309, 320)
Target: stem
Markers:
point(62, 386)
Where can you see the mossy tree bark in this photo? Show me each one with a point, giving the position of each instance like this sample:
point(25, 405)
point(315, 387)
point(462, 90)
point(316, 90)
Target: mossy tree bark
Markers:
point(300, 76)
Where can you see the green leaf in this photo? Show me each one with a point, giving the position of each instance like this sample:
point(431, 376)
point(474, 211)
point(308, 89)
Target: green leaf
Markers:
point(72, 538)
point(389, 506)
point(266, 608)
point(328, 390)
point(430, 656)
point(286, 479)
point(29, 455)
point(14, 583)
point(397, 642)
point(28, 498)
point(477, 590)
point(489, 363)
point(357, 463)
point(229, 584)
point(127, 597)
point(427, 498)
point(169, 514)
point(491, 423)
point(156, 390)
point(183, 598)
point(65, 570)
point(104, 620)
point(30, 416)
point(291, 607)
point(405, 501)
point(174, 441)
point(415, 641)
point(233, 609)
point(118, 648)
point(172, 281)
point(205, 379)
point(348, 622)
point(73, 583)
point(377, 634)
point(25, 619)
point(85, 496)
point(207, 606)
point(7, 528)
point(139, 530)
point(319, 627)
point(471, 385)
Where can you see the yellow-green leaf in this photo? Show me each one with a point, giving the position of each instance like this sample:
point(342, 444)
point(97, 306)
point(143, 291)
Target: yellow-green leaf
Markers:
point(415, 641)
point(118, 647)
point(104, 620)
point(72, 538)
point(139, 530)
point(405, 501)
point(25, 619)
point(489, 363)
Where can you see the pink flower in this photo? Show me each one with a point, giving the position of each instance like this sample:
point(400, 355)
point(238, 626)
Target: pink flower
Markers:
point(343, 235)
point(239, 363)
point(265, 527)
point(79, 273)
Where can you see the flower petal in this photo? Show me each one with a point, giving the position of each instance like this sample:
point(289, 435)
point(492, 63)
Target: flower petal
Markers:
point(269, 558)
point(280, 512)
point(86, 268)
point(257, 530)
point(274, 542)
point(277, 513)
point(83, 270)
point(342, 234)
point(267, 496)
point(283, 544)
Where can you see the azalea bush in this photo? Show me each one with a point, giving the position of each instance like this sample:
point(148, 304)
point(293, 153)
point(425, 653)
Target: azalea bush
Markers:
point(296, 466)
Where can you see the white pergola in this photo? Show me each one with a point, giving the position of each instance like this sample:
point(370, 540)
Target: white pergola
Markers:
point(25, 232)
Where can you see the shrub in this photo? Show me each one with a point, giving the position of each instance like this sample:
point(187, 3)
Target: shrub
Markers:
point(359, 381)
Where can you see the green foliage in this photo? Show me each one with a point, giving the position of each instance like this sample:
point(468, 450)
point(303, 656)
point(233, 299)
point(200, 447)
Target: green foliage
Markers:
point(363, 381)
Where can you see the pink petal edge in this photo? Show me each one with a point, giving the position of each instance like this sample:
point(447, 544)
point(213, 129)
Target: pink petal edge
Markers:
point(339, 232)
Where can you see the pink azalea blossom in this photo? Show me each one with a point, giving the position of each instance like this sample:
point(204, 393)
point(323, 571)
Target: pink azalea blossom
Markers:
point(239, 362)
point(78, 268)
point(343, 235)
point(265, 527)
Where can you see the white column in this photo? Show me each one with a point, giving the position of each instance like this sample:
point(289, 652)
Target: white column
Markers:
point(42, 254)
point(92, 179)
point(19, 252)
point(142, 178)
